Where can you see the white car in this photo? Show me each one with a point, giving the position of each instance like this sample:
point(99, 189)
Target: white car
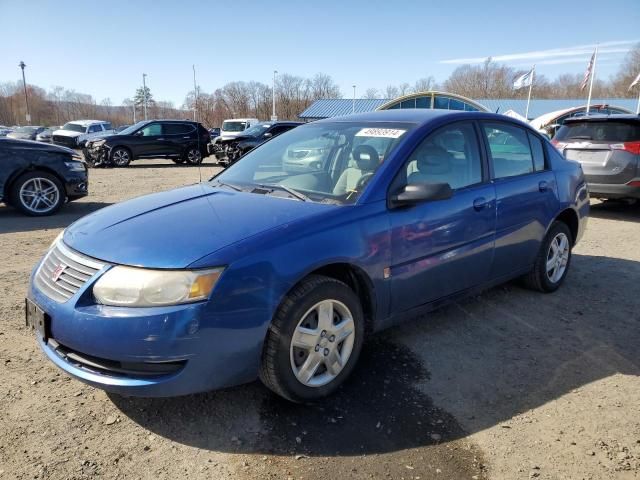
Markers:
point(233, 127)
point(75, 134)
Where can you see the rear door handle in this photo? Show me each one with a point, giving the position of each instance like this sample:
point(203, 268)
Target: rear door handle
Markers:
point(543, 186)
point(479, 203)
point(161, 139)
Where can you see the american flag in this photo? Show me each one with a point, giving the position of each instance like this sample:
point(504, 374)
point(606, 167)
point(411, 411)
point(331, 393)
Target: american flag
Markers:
point(587, 74)
point(635, 82)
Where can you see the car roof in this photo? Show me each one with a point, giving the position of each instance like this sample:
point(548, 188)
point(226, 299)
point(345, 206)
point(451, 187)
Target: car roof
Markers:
point(604, 118)
point(86, 123)
point(419, 116)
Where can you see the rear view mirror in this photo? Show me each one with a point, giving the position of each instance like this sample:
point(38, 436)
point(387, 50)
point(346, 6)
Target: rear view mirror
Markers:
point(413, 194)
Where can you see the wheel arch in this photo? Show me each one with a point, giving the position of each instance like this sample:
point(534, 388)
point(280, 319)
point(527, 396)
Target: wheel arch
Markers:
point(126, 147)
point(569, 217)
point(8, 186)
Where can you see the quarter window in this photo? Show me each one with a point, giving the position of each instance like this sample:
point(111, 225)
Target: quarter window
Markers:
point(510, 151)
point(177, 128)
point(538, 152)
point(449, 155)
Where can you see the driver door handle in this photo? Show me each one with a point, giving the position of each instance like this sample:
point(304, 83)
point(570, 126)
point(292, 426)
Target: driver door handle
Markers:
point(479, 203)
point(543, 186)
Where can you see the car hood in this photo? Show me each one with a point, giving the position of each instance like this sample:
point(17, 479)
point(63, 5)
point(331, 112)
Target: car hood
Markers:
point(33, 145)
point(67, 133)
point(173, 229)
point(20, 136)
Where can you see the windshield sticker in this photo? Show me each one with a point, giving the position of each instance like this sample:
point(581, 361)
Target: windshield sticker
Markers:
point(380, 132)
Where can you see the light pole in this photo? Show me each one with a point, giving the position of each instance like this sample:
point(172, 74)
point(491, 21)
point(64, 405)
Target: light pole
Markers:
point(274, 117)
point(195, 94)
point(24, 85)
point(144, 92)
point(353, 105)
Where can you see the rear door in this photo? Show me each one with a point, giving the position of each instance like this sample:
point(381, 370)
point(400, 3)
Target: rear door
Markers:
point(442, 247)
point(526, 194)
point(178, 136)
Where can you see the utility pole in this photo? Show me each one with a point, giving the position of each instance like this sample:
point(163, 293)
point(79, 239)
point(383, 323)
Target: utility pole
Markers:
point(26, 97)
point(274, 117)
point(144, 92)
point(195, 94)
point(353, 104)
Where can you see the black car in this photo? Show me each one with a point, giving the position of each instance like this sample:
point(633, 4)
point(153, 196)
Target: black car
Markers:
point(37, 178)
point(228, 151)
point(181, 140)
point(215, 132)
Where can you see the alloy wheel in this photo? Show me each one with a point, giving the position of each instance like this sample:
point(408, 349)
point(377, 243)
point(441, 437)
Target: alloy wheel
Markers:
point(557, 257)
point(121, 157)
point(322, 343)
point(39, 195)
point(194, 156)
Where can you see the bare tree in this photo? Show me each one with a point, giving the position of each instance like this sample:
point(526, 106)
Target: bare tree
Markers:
point(371, 93)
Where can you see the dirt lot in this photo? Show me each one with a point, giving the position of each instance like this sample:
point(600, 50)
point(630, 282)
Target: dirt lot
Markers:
point(508, 385)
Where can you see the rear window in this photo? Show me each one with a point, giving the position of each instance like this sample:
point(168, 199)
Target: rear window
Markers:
point(606, 131)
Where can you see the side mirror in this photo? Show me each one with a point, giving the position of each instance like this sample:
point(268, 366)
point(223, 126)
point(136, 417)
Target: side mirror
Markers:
point(268, 135)
point(413, 194)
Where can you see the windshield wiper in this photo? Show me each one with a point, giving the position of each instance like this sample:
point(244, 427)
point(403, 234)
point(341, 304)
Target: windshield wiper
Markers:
point(289, 190)
point(235, 187)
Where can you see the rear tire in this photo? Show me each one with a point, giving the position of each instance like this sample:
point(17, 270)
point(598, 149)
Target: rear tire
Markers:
point(553, 260)
point(192, 155)
point(37, 194)
point(314, 340)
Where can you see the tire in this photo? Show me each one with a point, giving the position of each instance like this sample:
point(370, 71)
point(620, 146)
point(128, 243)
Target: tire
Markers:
point(284, 364)
point(37, 194)
point(178, 160)
point(547, 275)
point(192, 155)
point(120, 157)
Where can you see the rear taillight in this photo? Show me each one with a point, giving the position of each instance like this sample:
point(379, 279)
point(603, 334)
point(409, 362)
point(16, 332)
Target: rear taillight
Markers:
point(559, 145)
point(634, 183)
point(631, 147)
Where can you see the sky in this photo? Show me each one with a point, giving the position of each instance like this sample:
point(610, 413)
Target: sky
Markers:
point(103, 48)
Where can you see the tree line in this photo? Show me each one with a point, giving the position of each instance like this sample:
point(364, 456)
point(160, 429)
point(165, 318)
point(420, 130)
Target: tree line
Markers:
point(293, 94)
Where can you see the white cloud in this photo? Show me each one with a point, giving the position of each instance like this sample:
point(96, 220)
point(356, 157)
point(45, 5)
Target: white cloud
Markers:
point(557, 55)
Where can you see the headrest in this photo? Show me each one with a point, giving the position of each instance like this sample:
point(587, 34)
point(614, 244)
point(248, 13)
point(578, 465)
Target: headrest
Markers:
point(433, 159)
point(366, 157)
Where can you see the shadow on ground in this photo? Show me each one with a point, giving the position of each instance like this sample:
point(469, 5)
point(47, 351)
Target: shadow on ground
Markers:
point(487, 359)
point(616, 210)
point(12, 221)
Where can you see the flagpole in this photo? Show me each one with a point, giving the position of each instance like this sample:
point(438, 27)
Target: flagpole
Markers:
point(638, 107)
point(593, 74)
point(533, 74)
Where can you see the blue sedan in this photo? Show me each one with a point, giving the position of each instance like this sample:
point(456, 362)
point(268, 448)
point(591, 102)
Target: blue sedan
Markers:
point(282, 273)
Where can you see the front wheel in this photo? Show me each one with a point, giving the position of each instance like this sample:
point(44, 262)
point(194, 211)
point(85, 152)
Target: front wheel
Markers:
point(314, 340)
point(553, 260)
point(120, 157)
point(37, 194)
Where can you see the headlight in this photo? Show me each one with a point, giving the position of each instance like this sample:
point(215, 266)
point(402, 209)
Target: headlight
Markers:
point(75, 166)
point(140, 287)
point(97, 143)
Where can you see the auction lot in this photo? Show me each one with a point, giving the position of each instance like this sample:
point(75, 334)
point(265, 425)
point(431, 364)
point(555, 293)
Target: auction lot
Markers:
point(507, 385)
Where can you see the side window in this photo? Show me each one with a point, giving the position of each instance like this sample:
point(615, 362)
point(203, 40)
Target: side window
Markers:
point(94, 129)
point(107, 126)
point(449, 155)
point(510, 151)
point(177, 128)
point(151, 130)
point(538, 152)
point(278, 130)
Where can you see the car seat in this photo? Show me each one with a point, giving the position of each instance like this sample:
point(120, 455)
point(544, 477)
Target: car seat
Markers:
point(366, 161)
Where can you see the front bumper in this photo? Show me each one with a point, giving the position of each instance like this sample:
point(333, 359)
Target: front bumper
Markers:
point(614, 191)
point(108, 345)
point(77, 184)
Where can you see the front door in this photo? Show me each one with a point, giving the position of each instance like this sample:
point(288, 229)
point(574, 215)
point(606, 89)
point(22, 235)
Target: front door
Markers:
point(149, 140)
point(446, 246)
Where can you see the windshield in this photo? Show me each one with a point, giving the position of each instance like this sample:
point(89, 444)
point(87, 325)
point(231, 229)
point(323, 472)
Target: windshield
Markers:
point(605, 131)
point(234, 126)
point(132, 128)
point(74, 127)
point(26, 129)
point(256, 130)
point(325, 162)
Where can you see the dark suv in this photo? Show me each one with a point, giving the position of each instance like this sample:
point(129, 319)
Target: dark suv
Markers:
point(608, 147)
point(181, 140)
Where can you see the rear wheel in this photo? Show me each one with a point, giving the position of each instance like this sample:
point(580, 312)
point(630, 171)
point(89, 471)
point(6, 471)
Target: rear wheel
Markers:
point(37, 194)
point(553, 261)
point(120, 157)
point(192, 155)
point(314, 340)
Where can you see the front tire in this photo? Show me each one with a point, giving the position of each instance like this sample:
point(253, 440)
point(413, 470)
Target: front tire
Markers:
point(120, 157)
point(553, 260)
point(37, 194)
point(314, 340)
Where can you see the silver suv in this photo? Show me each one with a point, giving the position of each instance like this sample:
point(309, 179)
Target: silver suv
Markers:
point(608, 147)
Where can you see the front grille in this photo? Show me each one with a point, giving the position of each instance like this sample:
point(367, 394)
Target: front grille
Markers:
point(114, 368)
point(70, 142)
point(63, 272)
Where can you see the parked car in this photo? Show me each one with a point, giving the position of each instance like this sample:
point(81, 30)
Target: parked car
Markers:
point(234, 127)
point(120, 128)
point(4, 131)
point(232, 149)
point(45, 135)
point(214, 132)
point(261, 273)
point(75, 134)
point(181, 140)
point(37, 178)
point(552, 121)
point(26, 133)
point(608, 148)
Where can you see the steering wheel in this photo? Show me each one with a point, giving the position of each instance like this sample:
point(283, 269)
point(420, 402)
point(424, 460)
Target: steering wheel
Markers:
point(362, 181)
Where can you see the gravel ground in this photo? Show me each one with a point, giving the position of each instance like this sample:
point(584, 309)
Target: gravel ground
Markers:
point(507, 385)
